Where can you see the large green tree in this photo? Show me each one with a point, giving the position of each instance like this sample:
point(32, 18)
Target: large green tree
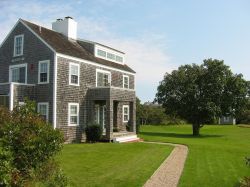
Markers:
point(202, 93)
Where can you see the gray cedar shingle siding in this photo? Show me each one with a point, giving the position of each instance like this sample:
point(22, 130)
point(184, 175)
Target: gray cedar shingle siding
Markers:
point(34, 50)
point(86, 94)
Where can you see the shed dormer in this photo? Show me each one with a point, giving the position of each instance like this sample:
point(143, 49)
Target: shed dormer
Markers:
point(109, 54)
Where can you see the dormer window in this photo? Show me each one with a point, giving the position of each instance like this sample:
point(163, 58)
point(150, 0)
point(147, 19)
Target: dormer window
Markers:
point(109, 54)
point(18, 45)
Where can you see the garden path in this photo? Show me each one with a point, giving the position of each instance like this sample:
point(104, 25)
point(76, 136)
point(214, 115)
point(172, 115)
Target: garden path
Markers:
point(169, 172)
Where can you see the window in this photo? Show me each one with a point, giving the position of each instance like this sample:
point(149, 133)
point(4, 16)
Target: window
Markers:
point(101, 53)
point(18, 73)
point(43, 72)
point(125, 113)
point(125, 81)
point(111, 56)
point(74, 71)
point(119, 59)
point(103, 78)
point(73, 112)
point(18, 45)
point(43, 109)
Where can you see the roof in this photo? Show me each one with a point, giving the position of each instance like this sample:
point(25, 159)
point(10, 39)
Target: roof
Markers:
point(62, 44)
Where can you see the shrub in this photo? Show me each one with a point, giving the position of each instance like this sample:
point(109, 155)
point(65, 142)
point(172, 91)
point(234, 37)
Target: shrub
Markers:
point(115, 129)
point(27, 143)
point(93, 132)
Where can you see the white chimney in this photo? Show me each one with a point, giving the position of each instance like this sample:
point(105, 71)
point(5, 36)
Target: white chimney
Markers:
point(66, 26)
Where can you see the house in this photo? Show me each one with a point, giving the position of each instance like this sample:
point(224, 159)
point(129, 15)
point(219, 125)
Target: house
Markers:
point(227, 120)
point(74, 82)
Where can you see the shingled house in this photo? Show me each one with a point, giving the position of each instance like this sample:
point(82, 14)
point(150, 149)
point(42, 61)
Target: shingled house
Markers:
point(74, 82)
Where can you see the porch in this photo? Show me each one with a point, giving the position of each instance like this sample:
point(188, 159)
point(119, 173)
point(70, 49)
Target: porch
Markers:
point(114, 109)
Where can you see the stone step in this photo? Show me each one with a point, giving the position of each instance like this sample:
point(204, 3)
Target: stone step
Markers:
point(123, 139)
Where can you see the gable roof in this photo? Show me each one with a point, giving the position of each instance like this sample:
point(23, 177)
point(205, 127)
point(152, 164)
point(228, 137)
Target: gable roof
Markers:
point(63, 45)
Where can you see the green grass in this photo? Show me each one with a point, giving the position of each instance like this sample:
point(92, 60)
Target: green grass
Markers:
point(106, 164)
point(215, 159)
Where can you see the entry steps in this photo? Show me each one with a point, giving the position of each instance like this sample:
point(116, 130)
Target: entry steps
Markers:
point(127, 138)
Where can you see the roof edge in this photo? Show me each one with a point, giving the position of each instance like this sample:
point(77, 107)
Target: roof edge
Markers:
point(94, 63)
point(31, 30)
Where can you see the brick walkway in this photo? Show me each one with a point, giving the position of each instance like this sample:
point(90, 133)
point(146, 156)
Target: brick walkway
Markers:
point(169, 172)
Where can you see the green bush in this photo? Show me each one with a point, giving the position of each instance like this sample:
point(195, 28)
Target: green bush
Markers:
point(93, 132)
point(27, 143)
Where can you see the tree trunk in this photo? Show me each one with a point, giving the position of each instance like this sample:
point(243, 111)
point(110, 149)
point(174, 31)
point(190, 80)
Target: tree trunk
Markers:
point(196, 129)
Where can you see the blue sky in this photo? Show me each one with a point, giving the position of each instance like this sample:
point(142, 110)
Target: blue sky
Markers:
point(157, 35)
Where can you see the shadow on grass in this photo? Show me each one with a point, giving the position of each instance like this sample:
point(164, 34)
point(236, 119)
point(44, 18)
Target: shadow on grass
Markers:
point(176, 135)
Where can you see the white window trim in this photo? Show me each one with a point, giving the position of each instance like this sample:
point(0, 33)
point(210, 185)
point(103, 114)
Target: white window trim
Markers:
point(47, 105)
point(108, 50)
point(123, 82)
point(123, 107)
point(18, 66)
point(102, 71)
point(22, 36)
point(78, 65)
point(69, 105)
point(48, 70)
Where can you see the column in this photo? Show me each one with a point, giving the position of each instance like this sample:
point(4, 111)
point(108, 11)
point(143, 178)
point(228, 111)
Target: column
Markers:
point(109, 119)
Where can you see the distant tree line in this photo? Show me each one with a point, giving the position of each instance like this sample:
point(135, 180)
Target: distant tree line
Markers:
point(151, 113)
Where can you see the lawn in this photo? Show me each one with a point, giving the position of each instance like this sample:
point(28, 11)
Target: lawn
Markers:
point(215, 159)
point(107, 164)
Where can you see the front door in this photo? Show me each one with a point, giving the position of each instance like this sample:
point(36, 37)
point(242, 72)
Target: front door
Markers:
point(100, 116)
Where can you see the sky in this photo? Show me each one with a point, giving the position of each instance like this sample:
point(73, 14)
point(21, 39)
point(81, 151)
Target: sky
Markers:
point(157, 35)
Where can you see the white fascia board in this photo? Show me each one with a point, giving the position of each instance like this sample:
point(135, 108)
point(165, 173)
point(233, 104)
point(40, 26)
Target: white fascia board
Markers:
point(92, 63)
point(55, 92)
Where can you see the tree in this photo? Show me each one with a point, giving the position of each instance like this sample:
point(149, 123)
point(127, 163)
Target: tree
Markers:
point(202, 93)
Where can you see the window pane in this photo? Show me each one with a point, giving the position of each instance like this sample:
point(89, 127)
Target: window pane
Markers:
point(111, 56)
point(106, 80)
point(43, 67)
point(18, 45)
point(74, 79)
point(125, 83)
point(74, 70)
point(119, 59)
point(74, 74)
point(18, 74)
point(73, 119)
point(43, 77)
point(15, 75)
point(43, 109)
point(101, 53)
point(125, 110)
point(73, 110)
point(125, 117)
